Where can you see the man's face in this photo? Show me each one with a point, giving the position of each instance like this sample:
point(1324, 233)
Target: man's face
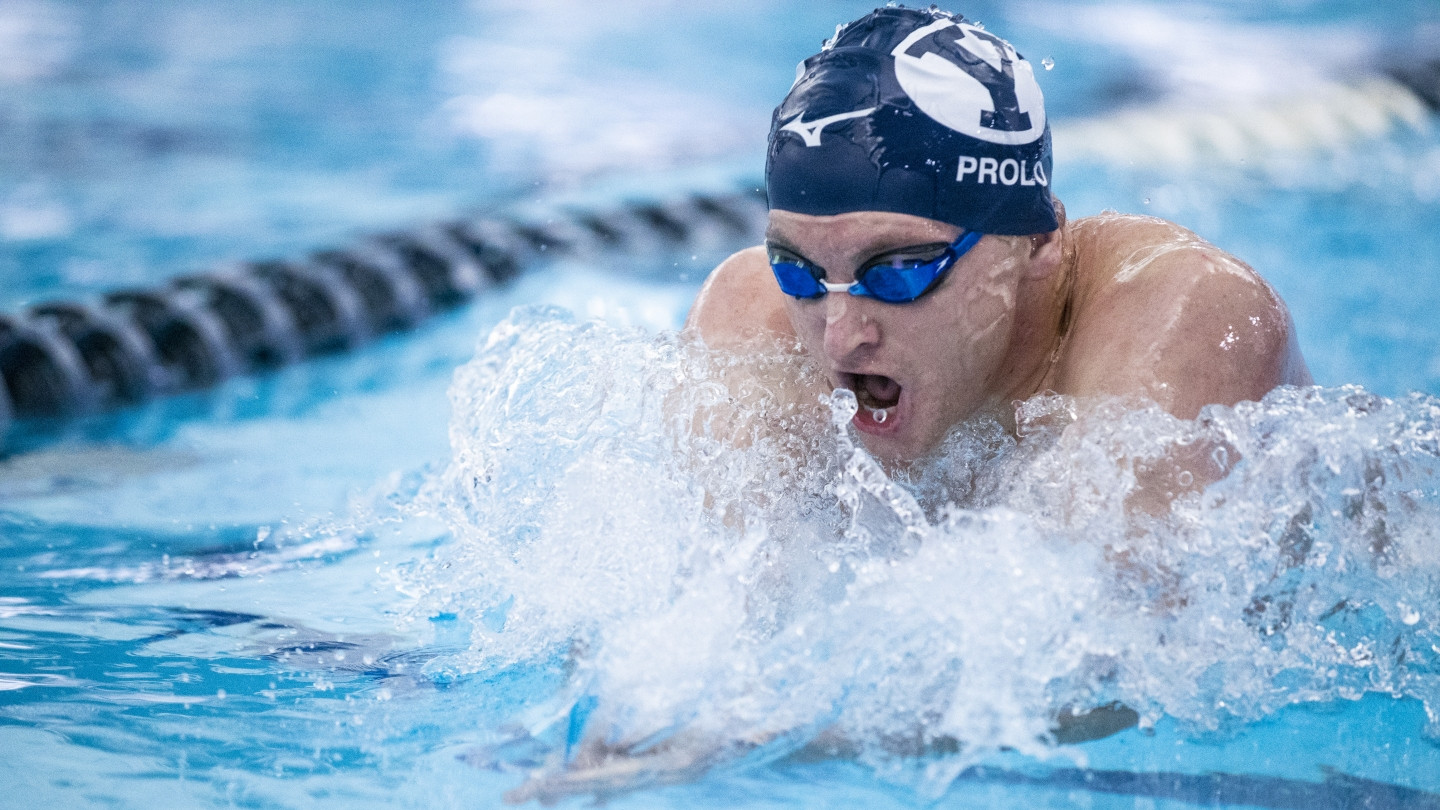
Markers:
point(928, 364)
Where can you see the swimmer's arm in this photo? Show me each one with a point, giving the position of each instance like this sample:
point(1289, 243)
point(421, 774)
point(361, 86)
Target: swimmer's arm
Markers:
point(740, 311)
point(739, 302)
point(1197, 327)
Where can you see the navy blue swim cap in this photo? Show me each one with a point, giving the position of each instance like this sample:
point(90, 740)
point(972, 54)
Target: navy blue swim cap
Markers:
point(915, 112)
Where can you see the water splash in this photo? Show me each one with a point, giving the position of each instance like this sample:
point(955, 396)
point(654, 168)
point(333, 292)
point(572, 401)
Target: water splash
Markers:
point(726, 575)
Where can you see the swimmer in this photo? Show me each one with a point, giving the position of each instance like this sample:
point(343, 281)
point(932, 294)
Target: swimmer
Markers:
point(916, 253)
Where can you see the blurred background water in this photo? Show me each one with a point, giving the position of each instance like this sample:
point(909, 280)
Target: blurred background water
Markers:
point(180, 578)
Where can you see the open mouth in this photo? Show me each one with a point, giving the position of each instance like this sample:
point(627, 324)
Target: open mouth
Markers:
point(875, 392)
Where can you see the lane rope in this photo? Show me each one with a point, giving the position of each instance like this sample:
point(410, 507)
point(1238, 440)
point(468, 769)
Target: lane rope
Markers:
point(62, 360)
point(1327, 118)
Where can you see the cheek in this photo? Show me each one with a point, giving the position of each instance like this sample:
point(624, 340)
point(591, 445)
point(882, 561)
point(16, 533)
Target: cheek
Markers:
point(965, 337)
point(983, 311)
point(987, 314)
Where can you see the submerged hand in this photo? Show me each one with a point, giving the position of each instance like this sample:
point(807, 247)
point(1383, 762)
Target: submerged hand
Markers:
point(603, 769)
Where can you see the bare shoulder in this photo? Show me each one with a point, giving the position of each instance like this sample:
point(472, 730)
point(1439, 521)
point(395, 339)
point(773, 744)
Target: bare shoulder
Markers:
point(738, 301)
point(1162, 313)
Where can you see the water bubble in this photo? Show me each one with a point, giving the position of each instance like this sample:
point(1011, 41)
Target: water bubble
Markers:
point(843, 404)
point(1410, 616)
point(1048, 63)
point(1221, 457)
point(879, 414)
point(1185, 479)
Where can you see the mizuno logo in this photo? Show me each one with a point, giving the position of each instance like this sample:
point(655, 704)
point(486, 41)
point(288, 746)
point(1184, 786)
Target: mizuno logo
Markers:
point(811, 132)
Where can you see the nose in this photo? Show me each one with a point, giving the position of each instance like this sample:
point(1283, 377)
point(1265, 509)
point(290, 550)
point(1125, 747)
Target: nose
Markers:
point(849, 328)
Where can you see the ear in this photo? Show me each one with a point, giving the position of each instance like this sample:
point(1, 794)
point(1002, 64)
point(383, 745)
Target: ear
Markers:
point(1046, 249)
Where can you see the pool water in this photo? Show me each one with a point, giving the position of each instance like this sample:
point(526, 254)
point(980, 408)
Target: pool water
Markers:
point(377, 580)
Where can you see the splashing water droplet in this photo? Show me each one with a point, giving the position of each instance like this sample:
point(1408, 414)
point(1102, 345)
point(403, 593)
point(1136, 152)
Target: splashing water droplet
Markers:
point(1410, 616)
point(1146, 201)
point(879, 414)
point(1221, 457)
point(1048, 63)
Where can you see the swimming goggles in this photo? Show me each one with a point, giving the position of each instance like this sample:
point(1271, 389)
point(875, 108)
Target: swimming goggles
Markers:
point(896, 282)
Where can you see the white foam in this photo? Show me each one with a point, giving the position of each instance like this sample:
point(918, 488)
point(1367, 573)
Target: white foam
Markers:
point(730, 575)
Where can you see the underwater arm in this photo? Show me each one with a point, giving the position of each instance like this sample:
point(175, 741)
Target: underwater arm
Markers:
point(605, 771)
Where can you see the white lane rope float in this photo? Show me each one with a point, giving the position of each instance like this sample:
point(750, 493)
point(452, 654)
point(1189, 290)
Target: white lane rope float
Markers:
point(1327, 118)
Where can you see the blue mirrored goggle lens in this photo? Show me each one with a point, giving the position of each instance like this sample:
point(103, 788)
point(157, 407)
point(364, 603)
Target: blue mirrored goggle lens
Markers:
point(797, 280)
point(893, 284)
point(907, 282)
point(901, 284)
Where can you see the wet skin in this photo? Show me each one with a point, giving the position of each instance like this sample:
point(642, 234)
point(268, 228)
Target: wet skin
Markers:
point(1113, 304)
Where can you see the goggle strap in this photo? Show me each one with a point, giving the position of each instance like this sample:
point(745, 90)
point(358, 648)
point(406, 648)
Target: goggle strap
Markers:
point(966, 242)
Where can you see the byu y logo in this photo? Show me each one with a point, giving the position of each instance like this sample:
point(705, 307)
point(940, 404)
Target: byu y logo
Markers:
point(972, 82)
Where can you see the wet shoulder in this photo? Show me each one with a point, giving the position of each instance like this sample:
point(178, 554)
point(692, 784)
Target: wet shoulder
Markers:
point(1162, 313)
point(738, 301)
point(1116, 250)
point(1128, 260)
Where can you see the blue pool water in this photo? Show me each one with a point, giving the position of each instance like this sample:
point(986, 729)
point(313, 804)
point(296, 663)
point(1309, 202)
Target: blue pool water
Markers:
point(372, 580)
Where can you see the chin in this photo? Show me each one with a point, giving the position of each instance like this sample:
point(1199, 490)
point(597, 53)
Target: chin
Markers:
point(897, 439)
point(895, 449)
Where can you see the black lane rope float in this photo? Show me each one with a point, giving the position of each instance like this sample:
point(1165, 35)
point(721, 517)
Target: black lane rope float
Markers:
point(62, 360)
